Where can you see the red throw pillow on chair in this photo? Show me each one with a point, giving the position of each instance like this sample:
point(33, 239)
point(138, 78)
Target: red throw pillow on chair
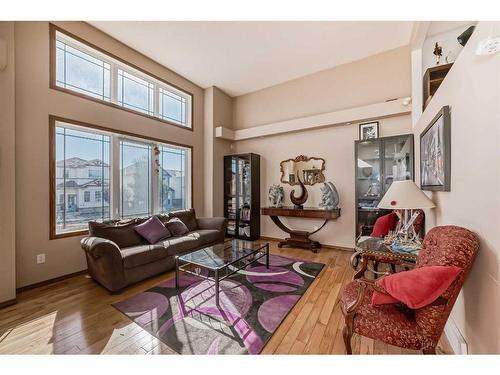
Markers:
point(384, 224)
point(416, 288)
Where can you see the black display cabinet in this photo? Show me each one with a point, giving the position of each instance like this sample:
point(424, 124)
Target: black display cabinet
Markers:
point(242, 195)
point(379, 162)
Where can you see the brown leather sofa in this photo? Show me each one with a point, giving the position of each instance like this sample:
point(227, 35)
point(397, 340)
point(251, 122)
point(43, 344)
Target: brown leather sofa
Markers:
point(117, 256)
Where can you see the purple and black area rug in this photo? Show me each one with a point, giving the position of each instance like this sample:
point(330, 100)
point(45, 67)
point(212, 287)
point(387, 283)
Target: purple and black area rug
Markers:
point(253, 303)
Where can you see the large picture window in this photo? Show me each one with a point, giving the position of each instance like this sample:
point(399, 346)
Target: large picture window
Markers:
point(86, 70)
point(101, 174)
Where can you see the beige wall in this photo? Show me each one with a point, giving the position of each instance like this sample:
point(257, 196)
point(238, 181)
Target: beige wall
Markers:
point(472, 90)
point(223, 114)
point(34, 102)
point(336, 146)
point(371, 80)
point(367, 81)
point(7, 168)
point(218, 112)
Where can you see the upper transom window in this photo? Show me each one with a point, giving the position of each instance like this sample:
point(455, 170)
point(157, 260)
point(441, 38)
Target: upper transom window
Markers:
point(90, 72)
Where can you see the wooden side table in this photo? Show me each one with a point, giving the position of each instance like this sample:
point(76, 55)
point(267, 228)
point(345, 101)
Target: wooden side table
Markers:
point(300, 238)
point(379, 253)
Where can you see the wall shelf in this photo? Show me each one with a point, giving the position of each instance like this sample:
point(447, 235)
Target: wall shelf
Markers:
point(433, 78)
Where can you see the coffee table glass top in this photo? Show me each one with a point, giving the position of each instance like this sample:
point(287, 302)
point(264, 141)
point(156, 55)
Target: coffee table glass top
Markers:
point(221, 255)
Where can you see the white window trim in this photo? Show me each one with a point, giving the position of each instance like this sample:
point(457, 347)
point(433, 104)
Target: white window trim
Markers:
point(115, 65)
point(114, 175)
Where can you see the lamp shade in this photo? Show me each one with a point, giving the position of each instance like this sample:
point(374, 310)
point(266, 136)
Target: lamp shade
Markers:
point(405, 195)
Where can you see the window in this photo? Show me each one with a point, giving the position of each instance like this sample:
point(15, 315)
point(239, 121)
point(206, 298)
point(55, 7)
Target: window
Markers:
point(81, 72)
point(135, 173)
point(135, 93)
point(95, 173)
point(151, 176)
point(172, 178)
point(77, 151)
point(88, 71)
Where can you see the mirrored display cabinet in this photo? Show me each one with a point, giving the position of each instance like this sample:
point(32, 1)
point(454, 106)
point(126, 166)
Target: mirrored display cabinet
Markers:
point(242, 195)
point(379, 162)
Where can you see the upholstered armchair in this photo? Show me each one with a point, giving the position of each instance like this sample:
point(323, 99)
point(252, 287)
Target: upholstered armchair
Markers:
point(418, 329)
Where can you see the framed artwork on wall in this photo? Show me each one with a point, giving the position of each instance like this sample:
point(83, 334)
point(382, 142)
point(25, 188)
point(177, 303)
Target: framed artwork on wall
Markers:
point(435, 153)
point(368, 130)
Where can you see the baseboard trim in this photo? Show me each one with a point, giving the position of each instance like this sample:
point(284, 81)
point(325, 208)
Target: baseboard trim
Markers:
point(8, 303)
point(50, 281)
point(266, 238)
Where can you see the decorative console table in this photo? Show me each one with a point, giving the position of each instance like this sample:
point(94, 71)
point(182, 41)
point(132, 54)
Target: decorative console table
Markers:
point(300, 238)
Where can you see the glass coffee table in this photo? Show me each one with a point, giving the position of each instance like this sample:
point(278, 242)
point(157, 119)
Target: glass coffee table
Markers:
point(221, 260)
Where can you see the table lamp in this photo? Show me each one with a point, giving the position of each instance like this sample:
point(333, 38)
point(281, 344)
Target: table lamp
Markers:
point(403, 197)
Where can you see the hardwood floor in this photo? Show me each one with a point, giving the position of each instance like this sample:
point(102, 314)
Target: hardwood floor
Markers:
point(75, 316)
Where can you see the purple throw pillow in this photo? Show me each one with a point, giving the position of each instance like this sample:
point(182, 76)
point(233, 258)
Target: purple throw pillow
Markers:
point(176, 227)
point(152, 230)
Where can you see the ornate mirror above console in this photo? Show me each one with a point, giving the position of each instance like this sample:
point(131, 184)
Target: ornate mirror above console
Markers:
point(308, 169)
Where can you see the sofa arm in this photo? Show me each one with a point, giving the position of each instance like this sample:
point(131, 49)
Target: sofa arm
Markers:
point(104, 261)
point(218, 223)
point(97, 247)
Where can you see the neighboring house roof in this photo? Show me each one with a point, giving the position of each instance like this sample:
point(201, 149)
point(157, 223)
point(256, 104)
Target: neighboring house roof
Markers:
point(174, 173)
point(81, 163)
point(75, 185)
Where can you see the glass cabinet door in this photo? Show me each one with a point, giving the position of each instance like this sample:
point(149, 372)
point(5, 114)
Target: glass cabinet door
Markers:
point(398, 163)
point(368, 175)
point(243, 196)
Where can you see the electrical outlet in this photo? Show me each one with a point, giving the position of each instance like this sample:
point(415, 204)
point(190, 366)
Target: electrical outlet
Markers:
point(40, 258)
point(488, 46)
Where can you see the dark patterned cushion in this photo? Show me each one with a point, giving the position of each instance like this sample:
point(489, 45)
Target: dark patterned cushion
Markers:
point(188, 217)
point(176, 227)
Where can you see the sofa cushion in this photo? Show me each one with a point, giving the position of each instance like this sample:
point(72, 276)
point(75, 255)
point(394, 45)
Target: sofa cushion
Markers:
point(152, 230)
point(176, 227)
point(205, 236)
point(121, 232)
point(188, 217)
point(179, 245)
point(139, 255)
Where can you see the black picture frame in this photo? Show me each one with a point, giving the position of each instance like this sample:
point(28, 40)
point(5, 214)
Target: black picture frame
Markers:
point(362, 134)
point(435, 142)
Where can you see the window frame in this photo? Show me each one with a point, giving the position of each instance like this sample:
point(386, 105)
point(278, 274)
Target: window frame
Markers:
point(118, 63)
point(114, 185)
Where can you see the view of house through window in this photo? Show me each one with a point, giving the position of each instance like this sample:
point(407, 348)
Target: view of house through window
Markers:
point(85, 162)
point(79, 154)
point(85, 70)
point(172, 178)
point(135, 174)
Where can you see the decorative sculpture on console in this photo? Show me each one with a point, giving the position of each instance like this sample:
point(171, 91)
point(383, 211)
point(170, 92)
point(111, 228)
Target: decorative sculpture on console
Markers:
point(276, 196)
point(329, 196)
point(301, 199)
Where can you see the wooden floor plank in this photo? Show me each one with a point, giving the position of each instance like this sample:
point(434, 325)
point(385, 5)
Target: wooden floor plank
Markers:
point(75, 316)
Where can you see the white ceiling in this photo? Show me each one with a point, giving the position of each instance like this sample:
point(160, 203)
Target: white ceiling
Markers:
point(242, 57)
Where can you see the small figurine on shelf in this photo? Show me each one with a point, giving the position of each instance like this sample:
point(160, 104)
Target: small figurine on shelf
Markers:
point(276, 196)
point(438, 52)
point(329, 196)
